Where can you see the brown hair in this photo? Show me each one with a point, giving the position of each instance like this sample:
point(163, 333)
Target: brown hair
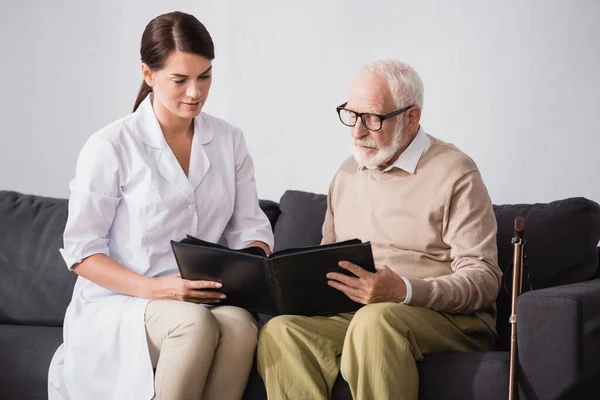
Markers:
point(170, 32)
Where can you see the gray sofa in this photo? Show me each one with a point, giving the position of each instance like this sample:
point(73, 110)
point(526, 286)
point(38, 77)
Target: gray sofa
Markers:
point(554, 350)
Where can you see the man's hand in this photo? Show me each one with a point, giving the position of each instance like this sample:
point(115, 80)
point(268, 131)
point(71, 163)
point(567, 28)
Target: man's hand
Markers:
point(367, 287)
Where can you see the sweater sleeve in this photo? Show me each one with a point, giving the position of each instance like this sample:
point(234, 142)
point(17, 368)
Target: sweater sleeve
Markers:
point(469, 230)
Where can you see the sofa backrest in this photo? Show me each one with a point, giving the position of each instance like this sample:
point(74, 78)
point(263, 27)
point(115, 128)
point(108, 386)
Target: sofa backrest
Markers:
point(36, 287)
point(35, 284)
point(561, 239)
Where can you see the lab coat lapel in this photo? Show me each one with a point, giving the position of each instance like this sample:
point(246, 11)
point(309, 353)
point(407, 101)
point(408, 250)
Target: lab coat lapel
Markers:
point(199, 160)
point(166, 163)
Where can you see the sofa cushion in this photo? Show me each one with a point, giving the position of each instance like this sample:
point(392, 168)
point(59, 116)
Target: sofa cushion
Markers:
point(301, 219)
point(35, 284)
point(26, 352)
point(465, 376)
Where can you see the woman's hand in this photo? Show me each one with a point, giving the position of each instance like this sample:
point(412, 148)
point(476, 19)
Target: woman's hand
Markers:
point(173, 287)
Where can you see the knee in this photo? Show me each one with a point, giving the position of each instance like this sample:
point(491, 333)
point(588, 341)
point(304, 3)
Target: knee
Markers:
point(197, 324)
point(278, 331)
point(246, 336)
point(378, 328)
point(372, 319)
point(375, 330)
point(245, 323)
point(246, 328)
point(379, 320)
point(276, 342)
point(277, 328)
point(237, 326)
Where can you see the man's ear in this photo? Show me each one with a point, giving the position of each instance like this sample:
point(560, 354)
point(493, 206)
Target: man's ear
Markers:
point(413, 118)
point(148, 75)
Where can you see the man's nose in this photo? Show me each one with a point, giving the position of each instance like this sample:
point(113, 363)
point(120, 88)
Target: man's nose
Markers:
point(359, 131)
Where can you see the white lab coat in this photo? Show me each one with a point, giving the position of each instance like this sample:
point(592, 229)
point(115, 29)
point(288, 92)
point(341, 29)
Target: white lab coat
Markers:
point(129, 198)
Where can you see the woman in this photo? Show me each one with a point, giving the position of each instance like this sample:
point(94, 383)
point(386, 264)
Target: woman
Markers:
point(165, 171)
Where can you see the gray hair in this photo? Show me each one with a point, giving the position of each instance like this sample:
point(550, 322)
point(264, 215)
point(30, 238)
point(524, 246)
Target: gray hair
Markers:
point(404, 82)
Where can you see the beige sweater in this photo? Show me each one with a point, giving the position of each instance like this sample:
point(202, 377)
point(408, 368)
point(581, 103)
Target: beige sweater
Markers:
point(436, 228)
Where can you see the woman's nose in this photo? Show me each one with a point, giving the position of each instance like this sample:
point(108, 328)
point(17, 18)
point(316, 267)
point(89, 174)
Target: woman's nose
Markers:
point(193, 91)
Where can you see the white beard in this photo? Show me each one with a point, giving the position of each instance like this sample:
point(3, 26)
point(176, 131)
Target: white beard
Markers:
point(383, 153)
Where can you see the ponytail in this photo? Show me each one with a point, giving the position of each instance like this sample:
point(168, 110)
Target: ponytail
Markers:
point(144, 90)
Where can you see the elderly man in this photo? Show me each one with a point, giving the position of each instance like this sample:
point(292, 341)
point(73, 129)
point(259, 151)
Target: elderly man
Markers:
point(425, 209)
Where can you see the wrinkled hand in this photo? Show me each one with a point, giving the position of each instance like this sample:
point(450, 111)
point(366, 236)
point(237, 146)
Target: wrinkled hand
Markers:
point(173, 287)
point(367, 287)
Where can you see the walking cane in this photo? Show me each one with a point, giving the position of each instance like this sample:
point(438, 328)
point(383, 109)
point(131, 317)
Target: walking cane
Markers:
point(518, 242)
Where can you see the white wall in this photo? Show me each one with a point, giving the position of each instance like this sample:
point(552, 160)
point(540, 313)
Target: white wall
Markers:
point(515, 84)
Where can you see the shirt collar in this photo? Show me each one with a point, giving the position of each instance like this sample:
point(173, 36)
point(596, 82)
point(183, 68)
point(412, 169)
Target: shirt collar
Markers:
point(150, 132)
point(410, 157)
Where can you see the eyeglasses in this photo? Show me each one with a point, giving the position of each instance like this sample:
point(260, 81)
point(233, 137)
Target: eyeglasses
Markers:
point(372, 122)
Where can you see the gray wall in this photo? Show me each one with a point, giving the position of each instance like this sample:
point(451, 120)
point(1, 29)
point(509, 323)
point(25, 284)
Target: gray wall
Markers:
point(513, 83)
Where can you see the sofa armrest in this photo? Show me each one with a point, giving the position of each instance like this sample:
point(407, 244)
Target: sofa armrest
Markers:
point(554, 350)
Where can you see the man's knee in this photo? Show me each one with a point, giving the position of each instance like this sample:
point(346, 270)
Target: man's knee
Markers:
point(277, 329)
point(371, 318)
point(379, 326)
point(375, 331)
point(275, 339)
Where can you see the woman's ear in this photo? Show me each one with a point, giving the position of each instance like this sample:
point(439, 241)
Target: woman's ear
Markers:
point(148, 75)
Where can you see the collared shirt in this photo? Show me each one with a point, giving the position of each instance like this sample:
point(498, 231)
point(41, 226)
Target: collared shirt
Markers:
point(408, 161)
point(410, 157)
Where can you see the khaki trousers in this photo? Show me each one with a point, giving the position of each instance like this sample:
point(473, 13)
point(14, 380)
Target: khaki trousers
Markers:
point(199, 352)
point(375, 349)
